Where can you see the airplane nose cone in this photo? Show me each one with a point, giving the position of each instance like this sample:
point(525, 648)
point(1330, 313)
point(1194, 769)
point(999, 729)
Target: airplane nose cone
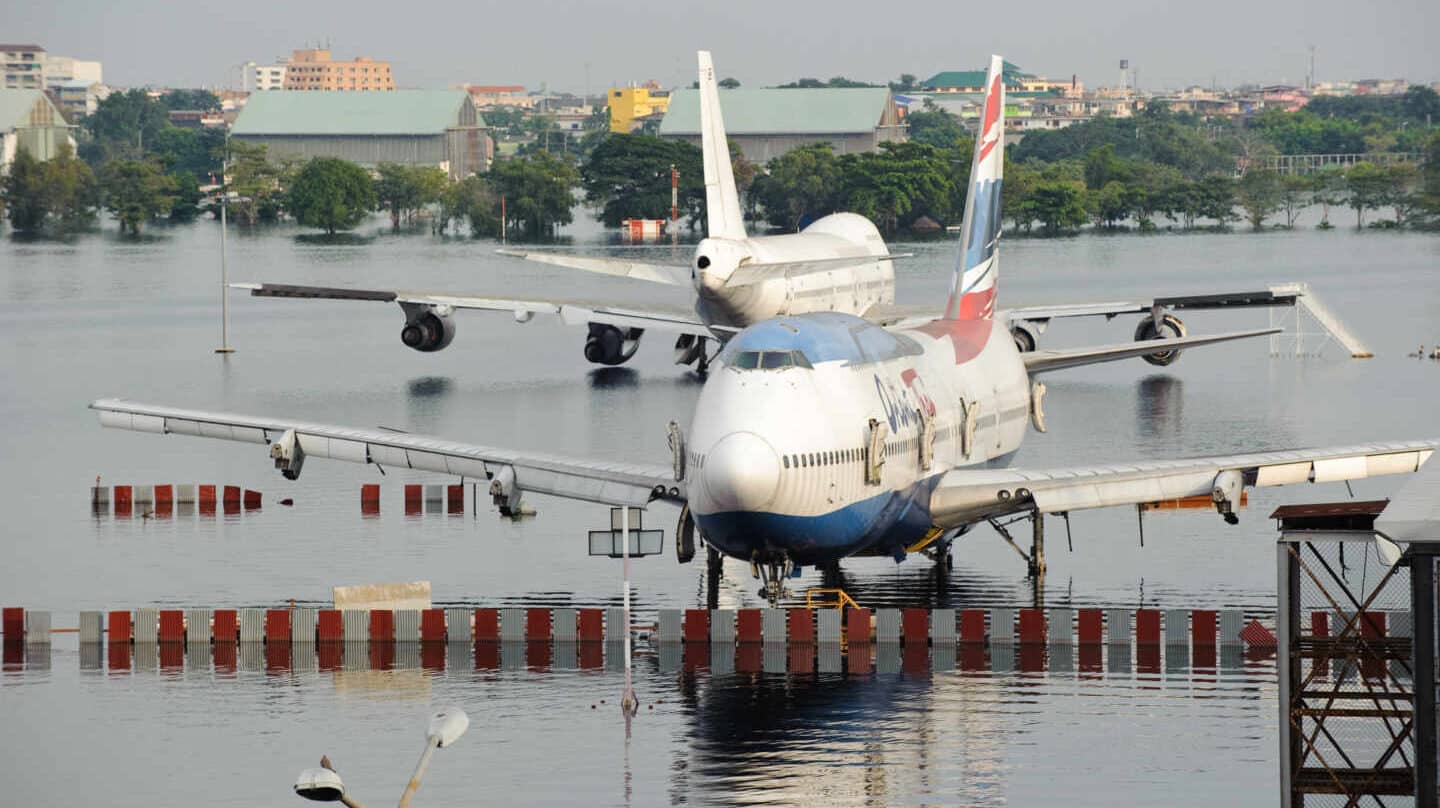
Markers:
point(742, 473)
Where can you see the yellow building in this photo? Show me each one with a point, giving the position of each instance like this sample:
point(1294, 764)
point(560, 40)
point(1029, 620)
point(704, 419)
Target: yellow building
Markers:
point(629, 106)
point(313, 69)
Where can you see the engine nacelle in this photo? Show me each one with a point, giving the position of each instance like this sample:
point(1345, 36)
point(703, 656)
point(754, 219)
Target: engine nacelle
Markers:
point(428, 328)
point(1170, 328)
point(610, 345)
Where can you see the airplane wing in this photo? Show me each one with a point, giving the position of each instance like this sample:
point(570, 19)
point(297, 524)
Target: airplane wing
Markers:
point(1277, 296)
point(572, 312)
point(965, 496)
point(751, 273)
point(674, 275)
point(510, 472)
point(1043, 361)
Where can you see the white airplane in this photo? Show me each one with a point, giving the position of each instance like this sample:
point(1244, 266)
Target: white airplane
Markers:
point(839, 263)
point(824, 436)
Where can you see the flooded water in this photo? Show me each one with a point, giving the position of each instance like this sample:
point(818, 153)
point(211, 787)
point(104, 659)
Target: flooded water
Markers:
point(103, 317)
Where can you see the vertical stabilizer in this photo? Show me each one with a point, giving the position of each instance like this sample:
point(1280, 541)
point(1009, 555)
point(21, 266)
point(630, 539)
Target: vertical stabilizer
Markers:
point(974, 285)
point(722, 202)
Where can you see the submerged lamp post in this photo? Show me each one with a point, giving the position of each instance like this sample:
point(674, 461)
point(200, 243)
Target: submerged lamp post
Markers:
point(323, 784)
point(224, 270)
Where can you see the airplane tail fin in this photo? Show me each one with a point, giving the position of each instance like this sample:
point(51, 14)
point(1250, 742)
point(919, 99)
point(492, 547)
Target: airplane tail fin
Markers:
point(722, 201)
point(973, 287)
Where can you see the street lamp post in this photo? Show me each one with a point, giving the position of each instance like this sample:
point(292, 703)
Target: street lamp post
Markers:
point(224, 270)
point(323, 784)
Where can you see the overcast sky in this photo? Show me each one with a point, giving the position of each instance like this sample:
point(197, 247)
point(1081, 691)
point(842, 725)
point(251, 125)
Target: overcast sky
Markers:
point(577, 45)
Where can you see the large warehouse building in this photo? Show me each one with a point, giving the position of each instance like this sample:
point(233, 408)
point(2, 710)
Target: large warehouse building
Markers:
point(412, 127)
point(769, 122)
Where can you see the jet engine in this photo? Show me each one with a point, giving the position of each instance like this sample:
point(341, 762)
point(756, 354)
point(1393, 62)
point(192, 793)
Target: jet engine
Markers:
point(609, 345)
point(1025, 339)
point(1170, 327)
point(428, 328)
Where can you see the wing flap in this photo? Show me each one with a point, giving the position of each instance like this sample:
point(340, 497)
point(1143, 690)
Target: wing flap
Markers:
point(554, 475)
point(1045, 361)
point(965, 496)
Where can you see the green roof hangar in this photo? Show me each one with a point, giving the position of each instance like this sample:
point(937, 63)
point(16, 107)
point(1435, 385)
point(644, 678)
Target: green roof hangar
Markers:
point(766, 123)
point(438, 128)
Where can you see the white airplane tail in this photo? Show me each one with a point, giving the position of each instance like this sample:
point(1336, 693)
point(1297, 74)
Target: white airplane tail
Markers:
point(973, 287)
point(722, 201)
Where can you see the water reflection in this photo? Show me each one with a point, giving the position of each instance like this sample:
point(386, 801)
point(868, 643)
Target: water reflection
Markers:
point(428, 387)
point(1160, 406)
point(614, 378)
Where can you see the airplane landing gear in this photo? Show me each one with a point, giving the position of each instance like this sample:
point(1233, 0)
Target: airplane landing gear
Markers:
point(772, 575)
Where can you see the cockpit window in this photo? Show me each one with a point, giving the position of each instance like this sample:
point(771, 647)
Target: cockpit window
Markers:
point(769, 360)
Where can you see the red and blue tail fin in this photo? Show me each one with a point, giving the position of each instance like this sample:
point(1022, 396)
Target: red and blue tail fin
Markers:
point(973, 287)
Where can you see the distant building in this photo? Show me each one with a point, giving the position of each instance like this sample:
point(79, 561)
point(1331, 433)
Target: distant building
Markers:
point(1016, 81)
point(499, 95)
point(313, 69)
point(29, 120)
point(23, 67)
point(197, 118)
point(631, 106)
point(415, 127)
point(766, 123)
point(79, 97)
point(258, 78)
point(65, 69)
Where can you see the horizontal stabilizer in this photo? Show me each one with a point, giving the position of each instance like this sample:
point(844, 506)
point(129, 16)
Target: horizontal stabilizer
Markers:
point(1043, 361)
point(749, 273)
point(618, 267)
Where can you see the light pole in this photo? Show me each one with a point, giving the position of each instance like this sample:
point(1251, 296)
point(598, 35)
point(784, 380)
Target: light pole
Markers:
point(323, 784)
point(224, 270)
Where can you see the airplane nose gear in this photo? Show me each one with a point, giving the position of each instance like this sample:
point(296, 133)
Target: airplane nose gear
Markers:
point(772, 575)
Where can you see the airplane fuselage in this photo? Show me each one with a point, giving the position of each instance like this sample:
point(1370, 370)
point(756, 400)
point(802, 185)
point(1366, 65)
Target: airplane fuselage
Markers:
point(778, 455)
point(852, 289)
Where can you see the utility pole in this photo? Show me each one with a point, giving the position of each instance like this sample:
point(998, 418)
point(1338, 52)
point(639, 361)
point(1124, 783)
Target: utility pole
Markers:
point(674, 194)
point(224, 269)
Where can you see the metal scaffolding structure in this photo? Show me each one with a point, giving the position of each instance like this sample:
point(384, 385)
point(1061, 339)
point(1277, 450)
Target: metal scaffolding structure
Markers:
point(1356, 630)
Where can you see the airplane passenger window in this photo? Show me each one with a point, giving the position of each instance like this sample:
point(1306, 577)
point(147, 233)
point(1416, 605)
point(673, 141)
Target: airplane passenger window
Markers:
point(786, 460)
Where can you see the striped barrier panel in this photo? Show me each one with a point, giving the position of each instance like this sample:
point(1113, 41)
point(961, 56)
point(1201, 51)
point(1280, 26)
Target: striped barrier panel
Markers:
point(800, 626)
point(942, 627)
point(146, 627)
point(434, 628)
point(329, 626)
point(37, 627)
point(487, 625)
point(565, 625)
point(1117, 626)
point(92, 627)
point(697, 625)
point(197, 626)
point(512, 624)
point(1002, 626)
point(537, 625)
point(668, 625)
point(857, 626)
point(12, 624)
point(615, 624)
point(303, 629)
point(829, 625)
point(722, 626)
point(355, 625)
point(590, 625)
point(1059, 627)
point(1032, 626)
point(172, 625)
point(460, 624)
point(748, 627)
point(887, 625)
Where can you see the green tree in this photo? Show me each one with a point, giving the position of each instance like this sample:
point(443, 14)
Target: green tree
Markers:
point(190, 99)
point(628, 176)
point(729, 83)
point(253, 184)
point(25, 192)
point(935, 126)
point(406, 190)
point(799, 185)
point(895, 185)
point(1327, 188)
point(471, 200)
point(1367, 187)
point(330, 194)
point(1214, 198)
point(1102, 167)
point(58, 194)
point(1059, 204)
point(1401, 182)
point(1017, 194)
point(122, 126)
point(538, 190)
point(1111, 204)
point(1296, 194)
point(1260, 192)
point(906, 83)
point(135, 192)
